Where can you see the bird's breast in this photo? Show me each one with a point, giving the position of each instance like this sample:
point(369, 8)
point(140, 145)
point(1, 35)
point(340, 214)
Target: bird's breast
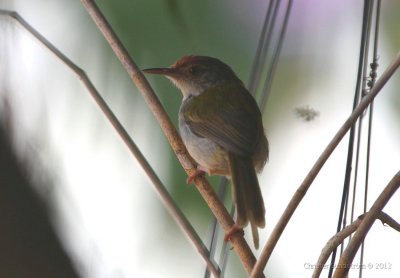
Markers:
point(204, 151)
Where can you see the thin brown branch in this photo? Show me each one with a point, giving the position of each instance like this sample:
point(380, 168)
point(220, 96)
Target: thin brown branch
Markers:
point(386, 219)
point(165, 197)
point(225, 220)
point(302, 190)
point(349, 253)
point(338, 238)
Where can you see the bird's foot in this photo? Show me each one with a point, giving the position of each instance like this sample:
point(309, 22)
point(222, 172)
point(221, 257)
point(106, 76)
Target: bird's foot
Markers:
point(199, 172)
point(233, 230)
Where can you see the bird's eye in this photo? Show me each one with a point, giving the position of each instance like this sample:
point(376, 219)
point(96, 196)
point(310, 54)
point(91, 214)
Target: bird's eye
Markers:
point(192, 70)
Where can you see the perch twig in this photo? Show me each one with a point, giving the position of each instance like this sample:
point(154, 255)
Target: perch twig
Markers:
point(217, 207)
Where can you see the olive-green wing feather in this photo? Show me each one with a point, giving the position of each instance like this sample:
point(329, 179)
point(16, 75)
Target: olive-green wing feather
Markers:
point(228, 115)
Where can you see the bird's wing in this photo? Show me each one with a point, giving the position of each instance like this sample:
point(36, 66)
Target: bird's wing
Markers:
point(228, 115)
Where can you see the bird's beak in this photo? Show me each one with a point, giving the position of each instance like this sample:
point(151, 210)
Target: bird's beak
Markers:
point(169, 72)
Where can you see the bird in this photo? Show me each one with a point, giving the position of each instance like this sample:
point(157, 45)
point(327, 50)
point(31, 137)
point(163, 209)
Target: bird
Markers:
point(221, 126)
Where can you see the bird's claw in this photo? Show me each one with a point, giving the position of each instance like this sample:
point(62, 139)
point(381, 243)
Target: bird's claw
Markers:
point(195, 174)
point(233, 230)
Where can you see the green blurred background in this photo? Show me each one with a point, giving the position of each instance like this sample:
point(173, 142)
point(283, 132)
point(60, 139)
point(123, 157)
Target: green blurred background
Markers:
point(110, 219)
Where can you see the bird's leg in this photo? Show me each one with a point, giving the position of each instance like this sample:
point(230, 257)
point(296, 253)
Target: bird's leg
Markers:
point(200, 171)
point(233, 230)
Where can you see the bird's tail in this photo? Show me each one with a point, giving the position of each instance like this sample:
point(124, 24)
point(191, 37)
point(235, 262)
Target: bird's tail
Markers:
point(247, 195)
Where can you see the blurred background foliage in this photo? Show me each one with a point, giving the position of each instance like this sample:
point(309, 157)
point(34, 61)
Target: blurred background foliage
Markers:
point(110, 220)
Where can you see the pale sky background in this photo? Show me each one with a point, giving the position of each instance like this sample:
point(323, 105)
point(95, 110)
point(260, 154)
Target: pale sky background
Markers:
point(108, 214)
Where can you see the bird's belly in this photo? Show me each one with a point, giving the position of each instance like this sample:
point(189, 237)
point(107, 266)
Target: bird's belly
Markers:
point(205, 152)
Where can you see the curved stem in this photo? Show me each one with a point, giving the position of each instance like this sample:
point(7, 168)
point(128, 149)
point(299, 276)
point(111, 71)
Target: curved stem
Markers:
point(302, 190)
point(164, 195)
point(332, 244)
point(338, 238)
point(349, 253)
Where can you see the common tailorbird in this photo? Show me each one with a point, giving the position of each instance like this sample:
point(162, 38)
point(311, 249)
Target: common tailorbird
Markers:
point(221, 126)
